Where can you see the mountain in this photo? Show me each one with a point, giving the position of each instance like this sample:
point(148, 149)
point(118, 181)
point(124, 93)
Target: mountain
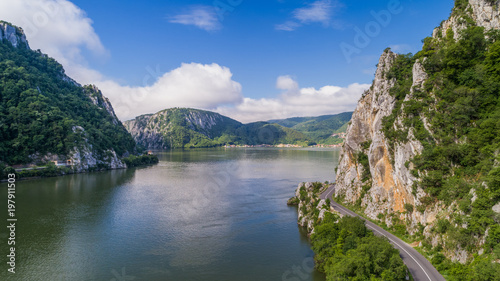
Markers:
point(185, 127)
point(319, 129)
point(422, 150)
point(47, 116)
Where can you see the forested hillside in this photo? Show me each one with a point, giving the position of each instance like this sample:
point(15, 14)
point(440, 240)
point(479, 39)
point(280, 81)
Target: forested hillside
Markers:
point(190, 128)
point(45, 114)
point(319, 129)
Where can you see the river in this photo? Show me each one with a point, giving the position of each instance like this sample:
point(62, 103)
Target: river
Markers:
point(211, 214)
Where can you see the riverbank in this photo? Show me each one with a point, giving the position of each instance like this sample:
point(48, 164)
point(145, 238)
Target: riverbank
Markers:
point(51, 170)
point(284, 145)
point(344, 247)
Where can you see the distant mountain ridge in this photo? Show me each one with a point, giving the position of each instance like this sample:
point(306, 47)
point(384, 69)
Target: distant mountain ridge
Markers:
point(186, 127)
point(319, 129)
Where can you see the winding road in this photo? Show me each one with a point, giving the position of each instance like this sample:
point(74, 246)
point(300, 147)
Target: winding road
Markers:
point(421, 269)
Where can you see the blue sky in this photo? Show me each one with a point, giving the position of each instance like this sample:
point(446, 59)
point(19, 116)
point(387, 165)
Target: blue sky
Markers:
point(258, 56)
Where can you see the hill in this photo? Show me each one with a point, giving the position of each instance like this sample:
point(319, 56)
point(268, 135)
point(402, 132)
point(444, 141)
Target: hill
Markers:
point(190, 128)
point(422, 151)
point(46, 116)
point(319, 129)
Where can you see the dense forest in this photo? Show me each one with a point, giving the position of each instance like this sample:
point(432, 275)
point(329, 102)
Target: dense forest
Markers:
point(41, 110)
point(346, 250)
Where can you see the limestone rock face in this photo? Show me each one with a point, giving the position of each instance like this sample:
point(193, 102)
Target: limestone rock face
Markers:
point(496, 208)
point(14, 35)
point(101, 101)
point(157, 131)
point(391, 185)
point(144, 133)
point(484, 13)
point(84, 159)
point(390, 188)
point(366, 125)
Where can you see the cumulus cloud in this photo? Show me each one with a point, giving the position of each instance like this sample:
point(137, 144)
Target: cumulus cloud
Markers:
point(63, 31)
point(203, 17)
point(317, 12)
point(190, 85)
point(295, 101)
point(287, 83)
point(60, 29)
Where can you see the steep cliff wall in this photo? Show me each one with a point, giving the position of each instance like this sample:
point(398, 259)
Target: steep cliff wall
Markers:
point(390, 184)
point(12, 34)
point(377, 170)
point(178, 127)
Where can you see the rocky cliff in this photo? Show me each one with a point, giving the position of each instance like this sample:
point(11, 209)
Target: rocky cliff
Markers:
point(397, 119)
point(13, 34)
point(52, 117)
point(99, 100)
point(390, 182)
point(311, 209)
point(178, 127)
point(186, 127)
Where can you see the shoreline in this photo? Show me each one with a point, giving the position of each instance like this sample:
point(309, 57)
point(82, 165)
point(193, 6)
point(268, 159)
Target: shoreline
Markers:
point(50, 171)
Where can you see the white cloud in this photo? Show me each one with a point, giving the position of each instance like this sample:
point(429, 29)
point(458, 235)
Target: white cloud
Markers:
point(317, 12)
point(286, 83)
point(287, 26)
point(203, 17)
point(63, 31)
point(190, 85)
point(297, 101)
point(60, 29)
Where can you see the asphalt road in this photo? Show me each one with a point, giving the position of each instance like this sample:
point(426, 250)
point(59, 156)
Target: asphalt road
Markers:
point(421, 269)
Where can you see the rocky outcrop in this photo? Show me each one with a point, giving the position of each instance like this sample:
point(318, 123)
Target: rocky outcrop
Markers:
point(146, 134)
point(13, 34)
point(496, 208)
point(161, 130)
point(391, 183)
point(484, 13)
point(390, 190)
point(311, 209)
point(82, 157)
point(101, 101)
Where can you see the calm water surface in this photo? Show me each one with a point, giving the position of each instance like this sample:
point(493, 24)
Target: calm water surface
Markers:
point(198, 215)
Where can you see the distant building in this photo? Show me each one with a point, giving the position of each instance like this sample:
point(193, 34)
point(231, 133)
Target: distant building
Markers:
point(61, 162)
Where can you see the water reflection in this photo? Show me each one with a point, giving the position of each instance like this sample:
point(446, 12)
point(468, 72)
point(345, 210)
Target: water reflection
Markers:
point(198, 215)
